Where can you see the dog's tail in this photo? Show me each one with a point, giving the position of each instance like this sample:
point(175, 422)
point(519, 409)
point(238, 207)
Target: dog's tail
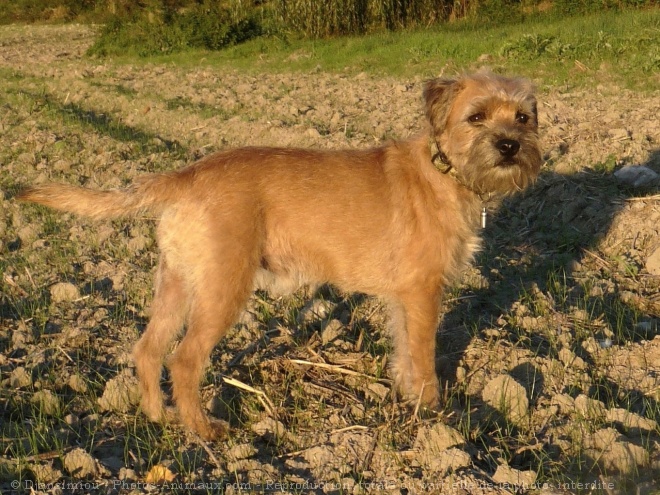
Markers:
point(148, 193)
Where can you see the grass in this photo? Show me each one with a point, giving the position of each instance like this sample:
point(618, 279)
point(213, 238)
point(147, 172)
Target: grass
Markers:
point(618, 46)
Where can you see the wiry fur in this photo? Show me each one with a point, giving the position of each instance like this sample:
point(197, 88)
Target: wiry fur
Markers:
point(381, 221)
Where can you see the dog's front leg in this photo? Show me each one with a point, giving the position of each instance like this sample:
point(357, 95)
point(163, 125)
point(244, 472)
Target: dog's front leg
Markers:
point(421, 309)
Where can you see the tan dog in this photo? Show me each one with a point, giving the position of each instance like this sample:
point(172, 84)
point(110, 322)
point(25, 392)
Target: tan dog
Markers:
point(381, 221)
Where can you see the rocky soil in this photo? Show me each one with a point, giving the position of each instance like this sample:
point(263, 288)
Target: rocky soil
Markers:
point(549, 349)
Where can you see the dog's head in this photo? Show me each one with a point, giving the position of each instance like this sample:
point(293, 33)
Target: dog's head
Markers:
point(487, 127)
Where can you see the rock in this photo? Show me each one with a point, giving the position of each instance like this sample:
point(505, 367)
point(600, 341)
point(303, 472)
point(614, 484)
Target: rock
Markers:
point(64, 291)
point(620, 457)
point(269, 427)
point(630, 420)
point(77, 383)
point(127, 474)
point(450, 459)
point(47, 402)
point(120, 394)
point(590, 408)
point(653, 263)
point(437, 438)
point(636, 175)
point(614, 454)
point(320, 455)
point(45, 473)
point(316, 309)
point(565, 402)
point(72, 420)
point(508, 475)
point(378, 390)
point(241, 451)
point(159, 474)
point(508, 397)
point(80, 464)
point(20, 378)
point(331, 331)
point(570, 360)
point(438, 448)
point(603, 439)
point(21, 337)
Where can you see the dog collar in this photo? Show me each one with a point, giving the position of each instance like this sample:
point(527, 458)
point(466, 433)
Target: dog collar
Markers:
point(438, 154)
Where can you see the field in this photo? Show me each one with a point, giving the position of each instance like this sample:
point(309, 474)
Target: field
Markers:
point(549, 350)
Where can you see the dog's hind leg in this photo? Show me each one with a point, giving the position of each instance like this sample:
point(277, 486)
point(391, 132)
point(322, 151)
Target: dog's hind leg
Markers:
point(169, 309)
point(224, 282)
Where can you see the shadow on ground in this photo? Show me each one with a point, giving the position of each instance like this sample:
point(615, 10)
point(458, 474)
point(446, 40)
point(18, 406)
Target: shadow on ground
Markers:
point(544, 245)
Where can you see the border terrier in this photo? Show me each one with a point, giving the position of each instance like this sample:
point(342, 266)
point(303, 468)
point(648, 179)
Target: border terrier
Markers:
point(382, 221)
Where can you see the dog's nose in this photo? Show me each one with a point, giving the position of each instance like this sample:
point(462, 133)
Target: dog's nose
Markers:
point(507, 147)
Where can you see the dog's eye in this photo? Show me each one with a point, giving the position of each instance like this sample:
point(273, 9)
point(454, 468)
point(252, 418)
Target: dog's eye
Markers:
point(477, 117)
point(522, 118)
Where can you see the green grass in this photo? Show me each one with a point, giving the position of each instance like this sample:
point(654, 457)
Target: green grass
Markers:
point(619, 46)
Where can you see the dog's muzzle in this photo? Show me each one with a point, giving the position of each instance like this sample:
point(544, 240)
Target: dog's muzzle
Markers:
point(507, 147)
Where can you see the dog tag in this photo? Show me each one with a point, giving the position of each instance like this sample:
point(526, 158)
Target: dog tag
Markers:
point(484, 215)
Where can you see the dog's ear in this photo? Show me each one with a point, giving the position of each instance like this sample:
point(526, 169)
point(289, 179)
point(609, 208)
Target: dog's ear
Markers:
point(535, 111)
point(438, 97)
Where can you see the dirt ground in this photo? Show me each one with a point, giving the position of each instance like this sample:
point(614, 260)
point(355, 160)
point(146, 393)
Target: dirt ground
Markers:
point(549, 350)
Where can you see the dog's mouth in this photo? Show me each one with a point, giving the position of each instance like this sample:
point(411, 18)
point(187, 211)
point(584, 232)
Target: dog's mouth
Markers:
point(508, 151)
point(507, 162)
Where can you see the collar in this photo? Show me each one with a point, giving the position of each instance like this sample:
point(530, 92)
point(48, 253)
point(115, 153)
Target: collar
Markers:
point(447, 168)
point(444, 166)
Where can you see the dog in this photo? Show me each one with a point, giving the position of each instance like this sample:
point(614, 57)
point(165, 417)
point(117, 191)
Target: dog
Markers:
point(382, 221)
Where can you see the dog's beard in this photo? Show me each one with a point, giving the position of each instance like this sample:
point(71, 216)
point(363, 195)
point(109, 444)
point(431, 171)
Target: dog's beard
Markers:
point(486, 171)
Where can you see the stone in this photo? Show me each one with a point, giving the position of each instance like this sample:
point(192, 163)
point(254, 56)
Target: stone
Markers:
point(48, 403)
point(636, 175)
point(316, 309)
point(510, 476)
point(653, 263)
point(508, 397)
point(591, 409)
point(80, 464)
point(331, 331)
point(20, 378)
point(120, 394)
point(437, 438)
point(64, 291)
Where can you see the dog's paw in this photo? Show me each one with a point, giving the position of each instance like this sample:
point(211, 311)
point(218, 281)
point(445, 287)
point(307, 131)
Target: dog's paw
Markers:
point(212, 429)
point(156, 412)
point(430, 398)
